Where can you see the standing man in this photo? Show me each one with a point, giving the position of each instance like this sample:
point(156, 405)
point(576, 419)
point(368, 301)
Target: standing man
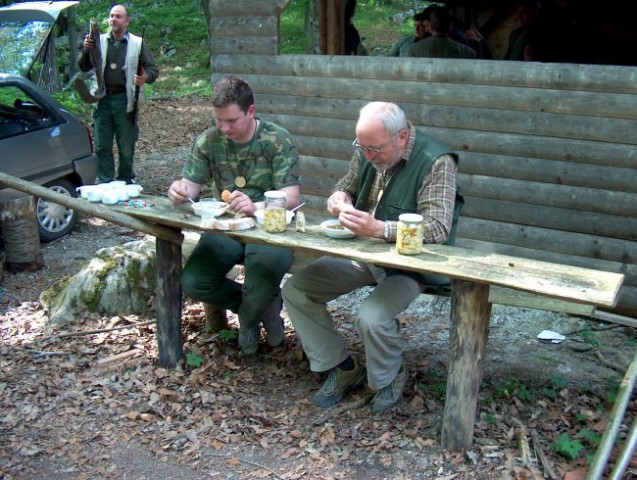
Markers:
point(249, 156)
point(114, 116)
point(394, 170)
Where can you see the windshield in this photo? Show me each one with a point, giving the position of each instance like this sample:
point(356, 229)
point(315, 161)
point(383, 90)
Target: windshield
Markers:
point(20, 43)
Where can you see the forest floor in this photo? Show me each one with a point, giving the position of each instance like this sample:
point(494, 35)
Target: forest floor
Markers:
point(87, 400)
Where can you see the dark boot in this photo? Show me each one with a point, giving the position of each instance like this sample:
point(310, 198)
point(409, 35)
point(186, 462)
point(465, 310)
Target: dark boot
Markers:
point(216, 319)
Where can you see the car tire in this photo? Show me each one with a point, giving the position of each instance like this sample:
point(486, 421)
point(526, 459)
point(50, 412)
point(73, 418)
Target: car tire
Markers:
point(54, 220)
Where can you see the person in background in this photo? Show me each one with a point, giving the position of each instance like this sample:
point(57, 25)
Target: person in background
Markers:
point(249, 156)
point(440, 44)
point(395, 169)
point(521, 39)
point(421, 31)
point(114, 117)
point(353, 43)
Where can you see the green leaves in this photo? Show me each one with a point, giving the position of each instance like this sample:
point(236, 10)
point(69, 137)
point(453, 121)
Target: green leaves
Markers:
point(567, 447)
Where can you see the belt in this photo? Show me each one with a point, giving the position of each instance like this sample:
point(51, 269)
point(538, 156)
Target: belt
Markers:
point(115, 90)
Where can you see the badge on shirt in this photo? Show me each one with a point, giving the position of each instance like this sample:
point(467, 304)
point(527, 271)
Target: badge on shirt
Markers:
point(113, 66)
point(240, 181)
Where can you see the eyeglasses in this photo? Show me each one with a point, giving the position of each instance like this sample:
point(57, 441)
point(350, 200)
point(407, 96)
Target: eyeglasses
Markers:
point(370, 150)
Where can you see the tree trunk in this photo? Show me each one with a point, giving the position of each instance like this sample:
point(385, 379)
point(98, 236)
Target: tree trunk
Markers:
point(72, 34)
point(205, 6)
point(21, 237)
point(312, 27)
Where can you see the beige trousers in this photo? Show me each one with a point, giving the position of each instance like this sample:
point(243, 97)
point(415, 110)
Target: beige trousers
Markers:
point(307, 292)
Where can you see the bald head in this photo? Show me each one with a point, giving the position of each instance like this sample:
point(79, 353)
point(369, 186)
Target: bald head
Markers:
point(389, 115)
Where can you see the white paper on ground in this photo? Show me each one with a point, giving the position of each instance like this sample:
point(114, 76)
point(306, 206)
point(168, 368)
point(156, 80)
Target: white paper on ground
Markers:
point(554, 337)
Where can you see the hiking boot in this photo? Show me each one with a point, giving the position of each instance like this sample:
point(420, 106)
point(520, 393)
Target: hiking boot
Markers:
point(249, 340)
point(389, 396)
point(338, 383)
point(216, 319)
point(273, 323)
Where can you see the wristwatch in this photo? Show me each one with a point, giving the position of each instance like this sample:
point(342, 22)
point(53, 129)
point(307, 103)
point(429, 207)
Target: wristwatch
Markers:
point(386, 232)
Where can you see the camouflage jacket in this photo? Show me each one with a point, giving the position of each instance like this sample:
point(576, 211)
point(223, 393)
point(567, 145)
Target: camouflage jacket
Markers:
point(268, 162)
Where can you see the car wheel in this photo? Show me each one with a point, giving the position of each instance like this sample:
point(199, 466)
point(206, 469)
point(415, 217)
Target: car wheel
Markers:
point(54, 220)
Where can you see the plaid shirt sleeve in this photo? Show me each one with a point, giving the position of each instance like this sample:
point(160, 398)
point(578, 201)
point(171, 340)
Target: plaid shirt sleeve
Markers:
point(436, 200)
point(348, 183)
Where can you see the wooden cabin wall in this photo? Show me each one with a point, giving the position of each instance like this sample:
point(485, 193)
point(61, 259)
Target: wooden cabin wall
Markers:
point(244, 26)
point(548, 156)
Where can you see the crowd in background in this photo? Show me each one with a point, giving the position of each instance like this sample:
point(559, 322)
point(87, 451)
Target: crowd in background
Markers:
point(546, 31)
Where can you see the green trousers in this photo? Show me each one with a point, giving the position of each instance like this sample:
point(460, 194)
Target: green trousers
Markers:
point(204, 276)
point(112, 122)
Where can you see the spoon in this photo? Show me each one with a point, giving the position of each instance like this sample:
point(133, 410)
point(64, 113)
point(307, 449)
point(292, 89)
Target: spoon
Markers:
point(297, 207)
point(192, 201)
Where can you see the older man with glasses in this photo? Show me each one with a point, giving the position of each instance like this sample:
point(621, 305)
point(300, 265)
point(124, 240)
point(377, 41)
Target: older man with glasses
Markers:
point(395, 169)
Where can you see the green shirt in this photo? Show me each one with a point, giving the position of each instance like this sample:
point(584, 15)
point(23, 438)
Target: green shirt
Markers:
point(399, 49)
point(268, 162)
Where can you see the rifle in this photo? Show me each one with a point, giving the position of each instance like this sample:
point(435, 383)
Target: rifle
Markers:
point(140, 69)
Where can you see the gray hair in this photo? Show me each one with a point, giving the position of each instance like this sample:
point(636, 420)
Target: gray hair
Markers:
point(391, 115)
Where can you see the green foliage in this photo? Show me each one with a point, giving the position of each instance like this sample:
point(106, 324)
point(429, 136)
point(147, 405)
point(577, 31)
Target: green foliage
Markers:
point(193, 360)
point(433, 385)
point(567, 447)
point(292, 26)
point(559, 381)
point(590, 338)
point(590, 436)
point(228, 335)
point(611, 392)
point(514, 387)
point(491, 419)
point(582, 417)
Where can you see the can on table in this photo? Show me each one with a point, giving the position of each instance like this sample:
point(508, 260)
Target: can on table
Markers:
point(410, 234)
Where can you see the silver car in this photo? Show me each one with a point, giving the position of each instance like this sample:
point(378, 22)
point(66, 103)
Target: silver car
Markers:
point(40, 141)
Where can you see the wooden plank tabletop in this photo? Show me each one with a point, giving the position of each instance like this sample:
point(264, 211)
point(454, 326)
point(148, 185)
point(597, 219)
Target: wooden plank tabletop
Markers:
point(594, 287)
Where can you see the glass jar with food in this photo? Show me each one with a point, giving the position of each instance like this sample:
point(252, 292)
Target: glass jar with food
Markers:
point(274, 220)
point(410, 234)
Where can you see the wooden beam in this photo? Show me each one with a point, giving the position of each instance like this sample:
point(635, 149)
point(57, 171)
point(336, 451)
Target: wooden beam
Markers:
point(596, 78)
point(93, 209)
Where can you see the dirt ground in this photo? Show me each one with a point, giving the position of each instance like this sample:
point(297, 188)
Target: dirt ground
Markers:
point(86, 400)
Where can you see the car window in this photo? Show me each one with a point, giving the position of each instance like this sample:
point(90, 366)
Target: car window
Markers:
point(20, 113)
point(20, 42)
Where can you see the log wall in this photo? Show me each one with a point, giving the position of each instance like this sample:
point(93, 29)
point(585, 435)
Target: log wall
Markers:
point(548, 156)
point(244, 26)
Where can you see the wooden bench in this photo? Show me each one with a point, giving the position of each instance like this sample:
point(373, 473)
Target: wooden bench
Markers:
point(547, 152)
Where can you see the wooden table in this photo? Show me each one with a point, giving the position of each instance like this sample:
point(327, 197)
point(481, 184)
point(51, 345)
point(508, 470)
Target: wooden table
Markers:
point(472, 272)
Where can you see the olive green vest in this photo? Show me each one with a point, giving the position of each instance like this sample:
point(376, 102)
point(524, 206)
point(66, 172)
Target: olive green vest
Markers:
point(401, 193)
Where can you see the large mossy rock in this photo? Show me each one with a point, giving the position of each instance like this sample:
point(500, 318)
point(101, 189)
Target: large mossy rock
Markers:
point(118, 280)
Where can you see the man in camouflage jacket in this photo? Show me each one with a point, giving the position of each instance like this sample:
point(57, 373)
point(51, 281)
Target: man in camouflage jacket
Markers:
point(246, 156)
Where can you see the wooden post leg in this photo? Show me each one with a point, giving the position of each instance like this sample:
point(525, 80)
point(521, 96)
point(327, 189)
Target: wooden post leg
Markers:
point(21, 236)
point(168, 260)
point(470, 315)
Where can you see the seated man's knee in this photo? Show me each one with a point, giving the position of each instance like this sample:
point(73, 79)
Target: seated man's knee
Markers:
point(372, 318)
point(287, 289)
point(189, 285)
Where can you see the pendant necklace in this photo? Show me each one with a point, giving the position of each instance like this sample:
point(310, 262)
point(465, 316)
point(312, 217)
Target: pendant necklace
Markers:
point(240, 180)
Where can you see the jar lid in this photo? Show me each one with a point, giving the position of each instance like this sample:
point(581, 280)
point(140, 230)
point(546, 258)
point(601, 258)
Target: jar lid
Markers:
point(275, 194)
point(410, 217)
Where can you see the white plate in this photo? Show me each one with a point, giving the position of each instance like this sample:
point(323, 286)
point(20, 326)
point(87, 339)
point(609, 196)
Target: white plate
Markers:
point(327, 227)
